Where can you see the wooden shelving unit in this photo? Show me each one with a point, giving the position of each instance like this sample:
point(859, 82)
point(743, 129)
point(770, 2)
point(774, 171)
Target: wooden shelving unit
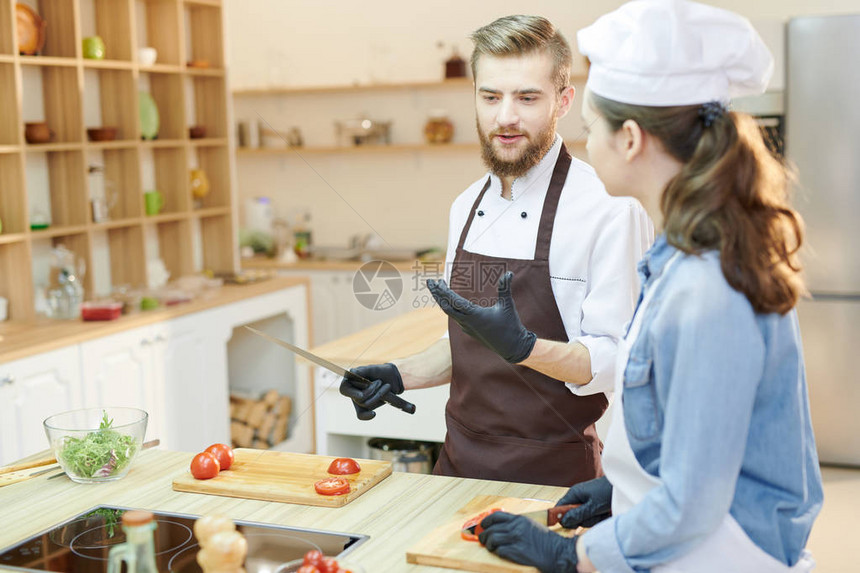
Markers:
point(79, 93)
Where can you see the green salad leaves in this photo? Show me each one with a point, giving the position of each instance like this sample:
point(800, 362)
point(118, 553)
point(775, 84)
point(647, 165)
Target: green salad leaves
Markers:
point(102, 453)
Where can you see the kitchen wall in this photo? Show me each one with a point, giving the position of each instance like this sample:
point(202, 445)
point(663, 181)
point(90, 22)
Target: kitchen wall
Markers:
point(403, 196)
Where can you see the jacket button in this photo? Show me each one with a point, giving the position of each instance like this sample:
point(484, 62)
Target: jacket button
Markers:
point(524, 215)
point(480, 213)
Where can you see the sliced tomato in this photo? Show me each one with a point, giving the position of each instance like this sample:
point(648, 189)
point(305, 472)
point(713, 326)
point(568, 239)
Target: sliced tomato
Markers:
point(344, 466)
point(332, 486)
point(205, 466)
point(224, 453)
point(476, 522)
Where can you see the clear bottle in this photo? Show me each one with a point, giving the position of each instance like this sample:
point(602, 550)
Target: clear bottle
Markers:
point(138, 551)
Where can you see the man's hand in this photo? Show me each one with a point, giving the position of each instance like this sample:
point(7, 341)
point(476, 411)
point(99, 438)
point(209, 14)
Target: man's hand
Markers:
point(596, 498)
point(497, 327)
point(519, 539)
point(384, 378)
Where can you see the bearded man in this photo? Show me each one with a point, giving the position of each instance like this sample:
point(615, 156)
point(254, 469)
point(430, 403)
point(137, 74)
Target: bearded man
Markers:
point(541, 264)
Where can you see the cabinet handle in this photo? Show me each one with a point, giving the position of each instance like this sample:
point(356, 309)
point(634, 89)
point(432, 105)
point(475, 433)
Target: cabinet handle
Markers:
point(161, 338)
point(145, 342)
point(8, 379)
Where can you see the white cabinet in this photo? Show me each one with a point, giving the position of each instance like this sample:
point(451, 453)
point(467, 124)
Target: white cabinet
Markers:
point(121, 370)
point(31, 389)
point(192, 365)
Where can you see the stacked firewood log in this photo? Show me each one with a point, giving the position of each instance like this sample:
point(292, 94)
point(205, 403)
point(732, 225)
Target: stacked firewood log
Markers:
point(259, 422)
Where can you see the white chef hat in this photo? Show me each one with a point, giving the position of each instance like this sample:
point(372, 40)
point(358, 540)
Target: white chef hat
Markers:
point(674, 52)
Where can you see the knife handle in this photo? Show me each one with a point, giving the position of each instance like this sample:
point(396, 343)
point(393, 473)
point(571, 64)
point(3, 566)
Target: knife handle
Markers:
point(389, 397)
point(554, 514)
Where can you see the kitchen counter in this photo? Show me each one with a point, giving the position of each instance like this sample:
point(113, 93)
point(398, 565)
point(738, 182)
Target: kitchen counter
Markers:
point(22, 339)
point(312, 264)
point(401, 336)
point(396, 513)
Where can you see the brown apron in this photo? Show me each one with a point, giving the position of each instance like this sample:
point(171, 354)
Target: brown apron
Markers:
point(505, 421)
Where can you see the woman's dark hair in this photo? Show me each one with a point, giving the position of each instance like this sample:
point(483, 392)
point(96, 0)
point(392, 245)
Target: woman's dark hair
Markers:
point(730, 195)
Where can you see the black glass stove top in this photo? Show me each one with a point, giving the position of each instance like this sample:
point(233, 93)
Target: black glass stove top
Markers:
point(81, 544)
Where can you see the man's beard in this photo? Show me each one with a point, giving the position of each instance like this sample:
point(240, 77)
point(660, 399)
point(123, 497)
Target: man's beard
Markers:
point(534, 151)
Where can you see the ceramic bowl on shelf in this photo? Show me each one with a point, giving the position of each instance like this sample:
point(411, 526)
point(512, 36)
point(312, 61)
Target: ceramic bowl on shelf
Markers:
point(197, 131)
point(105, 133)
point(31, 30)
point(146, 56)
point(38, 132)
point(96, 445)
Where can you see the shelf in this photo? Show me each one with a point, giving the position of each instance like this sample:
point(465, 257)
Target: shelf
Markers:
point(116, 144)
point(63, 178)
point(165, 217)
point(115, 224)
point(297, 90)
point(157, 143)
point(161, 69)
point(212, 212)
point(58, 231)
point(210, 72)
point(108, 64)
point(47, 147)
point(7, 238)
point(208, 142)
point(48, 61)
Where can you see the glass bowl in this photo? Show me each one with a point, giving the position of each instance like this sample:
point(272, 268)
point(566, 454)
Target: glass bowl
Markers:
point(293, 567)
point(96, 445)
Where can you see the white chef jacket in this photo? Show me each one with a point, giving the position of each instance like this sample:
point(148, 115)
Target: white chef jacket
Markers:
point(597, 240)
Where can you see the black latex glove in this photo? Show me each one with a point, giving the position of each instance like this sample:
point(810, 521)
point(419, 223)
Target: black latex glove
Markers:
point(384, 378)
point(521, 540)
point(497, 327)
point(596, 498)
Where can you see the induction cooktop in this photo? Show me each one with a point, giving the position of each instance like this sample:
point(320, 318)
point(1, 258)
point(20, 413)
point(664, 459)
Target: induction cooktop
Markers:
point(82, 543)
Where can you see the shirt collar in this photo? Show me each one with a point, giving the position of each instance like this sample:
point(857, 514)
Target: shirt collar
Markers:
point(525, 182)
point(654, 261)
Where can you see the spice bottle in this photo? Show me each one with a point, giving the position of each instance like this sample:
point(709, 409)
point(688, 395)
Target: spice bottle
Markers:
point(138, 551)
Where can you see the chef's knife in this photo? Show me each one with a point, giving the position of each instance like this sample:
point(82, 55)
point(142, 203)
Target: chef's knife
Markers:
point(546, 517)
point(360, 381)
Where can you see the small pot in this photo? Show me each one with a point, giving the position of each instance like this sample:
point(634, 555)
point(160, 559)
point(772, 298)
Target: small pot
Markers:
point(38, 132)
point(197, 131)
point(101, 133)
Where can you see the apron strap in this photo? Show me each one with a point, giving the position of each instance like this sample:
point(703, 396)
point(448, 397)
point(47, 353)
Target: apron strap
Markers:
point(550, 204)
point(475, 206)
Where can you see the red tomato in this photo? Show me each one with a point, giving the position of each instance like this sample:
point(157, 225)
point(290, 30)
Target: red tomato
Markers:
point(308, 569)
point(224, 453)
point(205, 466)
point(476, 521)
point(313, 557)
point(332, 486)
point(329, 565)
point(344, 466)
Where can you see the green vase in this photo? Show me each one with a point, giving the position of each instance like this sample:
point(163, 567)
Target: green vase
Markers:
point(149, 119)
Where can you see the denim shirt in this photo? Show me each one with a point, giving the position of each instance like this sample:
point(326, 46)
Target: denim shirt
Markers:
point(716, 408)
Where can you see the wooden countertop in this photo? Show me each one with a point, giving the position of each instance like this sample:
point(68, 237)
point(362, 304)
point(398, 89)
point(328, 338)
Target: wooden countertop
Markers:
point(401, 336)
point(333, 265)
point(396, 513)
point(22, 339)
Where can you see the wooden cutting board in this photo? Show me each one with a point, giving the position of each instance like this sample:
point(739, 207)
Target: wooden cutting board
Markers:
point(443, 547)
point(283, 476)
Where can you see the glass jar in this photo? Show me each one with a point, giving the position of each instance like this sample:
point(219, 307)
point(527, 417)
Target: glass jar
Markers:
point(438, 128)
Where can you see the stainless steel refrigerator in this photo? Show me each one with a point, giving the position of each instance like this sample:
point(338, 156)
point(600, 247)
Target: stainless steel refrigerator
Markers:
point(822, 137)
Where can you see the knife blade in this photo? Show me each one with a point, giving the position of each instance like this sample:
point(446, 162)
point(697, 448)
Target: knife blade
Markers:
point(546, 517)
point(361, 381)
